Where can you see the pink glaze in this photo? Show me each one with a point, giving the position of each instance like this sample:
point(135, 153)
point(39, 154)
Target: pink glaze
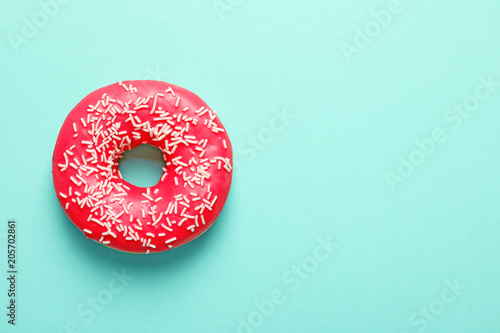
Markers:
point(194, 185)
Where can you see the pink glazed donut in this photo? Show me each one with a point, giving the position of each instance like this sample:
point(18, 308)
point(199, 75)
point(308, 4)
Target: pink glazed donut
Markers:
point(195, 181)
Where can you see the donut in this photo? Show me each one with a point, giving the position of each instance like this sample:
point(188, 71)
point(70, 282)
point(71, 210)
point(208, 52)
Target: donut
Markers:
point(109, 210)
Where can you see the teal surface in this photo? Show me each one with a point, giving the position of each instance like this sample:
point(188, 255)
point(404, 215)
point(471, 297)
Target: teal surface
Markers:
point(367, 186)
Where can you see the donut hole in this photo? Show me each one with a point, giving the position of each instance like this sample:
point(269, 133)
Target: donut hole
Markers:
point(142, 166)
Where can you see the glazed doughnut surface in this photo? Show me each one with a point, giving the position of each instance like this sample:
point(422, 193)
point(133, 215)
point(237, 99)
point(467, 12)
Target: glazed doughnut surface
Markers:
point(195, 181)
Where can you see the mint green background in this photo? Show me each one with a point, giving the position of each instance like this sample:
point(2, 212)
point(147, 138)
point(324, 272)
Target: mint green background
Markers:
point(322, 175)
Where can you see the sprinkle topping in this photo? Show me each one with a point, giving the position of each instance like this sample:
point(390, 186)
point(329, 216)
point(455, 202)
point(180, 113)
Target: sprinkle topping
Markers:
point(117, 214)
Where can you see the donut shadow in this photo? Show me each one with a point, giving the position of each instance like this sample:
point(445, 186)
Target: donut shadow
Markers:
point(108, 256)
point(171, 260)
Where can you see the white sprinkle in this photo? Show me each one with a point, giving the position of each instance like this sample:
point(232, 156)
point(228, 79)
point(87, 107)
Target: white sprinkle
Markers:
point(154, 104)
point(98, 222)
point(184, 210)
point(81, 179)
point(163, 177)
point(77, 183)
point(87, 231)
point(170, 240)
point(169, 90)
point(147, 196)
point(166, 228)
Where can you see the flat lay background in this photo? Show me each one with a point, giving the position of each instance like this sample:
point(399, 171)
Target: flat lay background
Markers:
point(366, 186)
